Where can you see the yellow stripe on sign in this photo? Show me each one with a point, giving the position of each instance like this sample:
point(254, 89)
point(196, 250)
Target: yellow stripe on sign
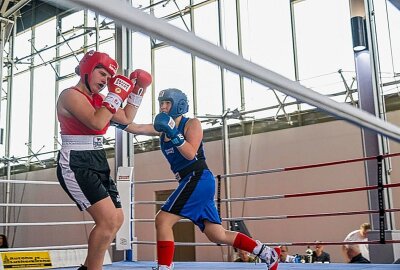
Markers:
point(26, 260)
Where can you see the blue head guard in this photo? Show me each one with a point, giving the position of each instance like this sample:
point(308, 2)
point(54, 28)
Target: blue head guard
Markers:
point(179, 101)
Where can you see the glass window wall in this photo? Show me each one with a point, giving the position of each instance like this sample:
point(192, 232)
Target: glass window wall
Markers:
point(308, 41)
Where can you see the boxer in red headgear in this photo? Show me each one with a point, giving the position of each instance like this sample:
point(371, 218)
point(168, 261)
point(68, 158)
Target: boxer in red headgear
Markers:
point(90, 61)
point(84, 115)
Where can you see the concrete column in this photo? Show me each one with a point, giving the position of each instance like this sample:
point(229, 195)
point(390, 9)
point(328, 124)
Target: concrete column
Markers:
point(373, 144)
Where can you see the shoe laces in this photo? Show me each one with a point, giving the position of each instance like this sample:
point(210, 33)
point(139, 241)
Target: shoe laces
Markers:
point(269, 255)
point(159, 267)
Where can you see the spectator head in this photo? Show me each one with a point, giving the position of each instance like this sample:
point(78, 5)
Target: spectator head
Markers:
point(318, 248)
point(284, 253)
point(364, 229)
point(244, 255)
point(3, 241)
point(352, 251)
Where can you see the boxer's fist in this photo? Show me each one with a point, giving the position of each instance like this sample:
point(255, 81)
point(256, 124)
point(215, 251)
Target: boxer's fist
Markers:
point(119, 87)
point(142, 79)
point(164, 123)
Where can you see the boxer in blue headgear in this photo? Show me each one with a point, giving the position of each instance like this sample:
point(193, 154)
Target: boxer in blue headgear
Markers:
point(181, 142)
point(179, 102)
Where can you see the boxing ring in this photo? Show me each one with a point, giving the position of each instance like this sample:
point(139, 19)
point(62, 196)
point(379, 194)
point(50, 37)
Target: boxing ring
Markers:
point(130, 17)
point(123, 172)
point(248, 266)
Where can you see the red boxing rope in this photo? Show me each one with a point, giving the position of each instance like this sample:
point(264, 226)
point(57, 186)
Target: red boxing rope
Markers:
point(313, 215)
point(313, 193)
point(309, 166)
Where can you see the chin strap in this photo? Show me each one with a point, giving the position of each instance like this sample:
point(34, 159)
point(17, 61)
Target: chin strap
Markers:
point(87, 84)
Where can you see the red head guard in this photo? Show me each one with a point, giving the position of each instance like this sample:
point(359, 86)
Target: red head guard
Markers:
point(90, 61)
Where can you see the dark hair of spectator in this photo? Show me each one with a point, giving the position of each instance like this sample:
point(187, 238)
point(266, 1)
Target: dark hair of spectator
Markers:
point(5, 242)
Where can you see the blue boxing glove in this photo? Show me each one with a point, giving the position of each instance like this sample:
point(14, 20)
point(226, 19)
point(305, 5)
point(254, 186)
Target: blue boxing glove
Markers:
point(164, 123)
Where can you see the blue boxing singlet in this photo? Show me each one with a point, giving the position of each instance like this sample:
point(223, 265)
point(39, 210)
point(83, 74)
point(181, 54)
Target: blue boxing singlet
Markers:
point(194, 197)
point(174, 157)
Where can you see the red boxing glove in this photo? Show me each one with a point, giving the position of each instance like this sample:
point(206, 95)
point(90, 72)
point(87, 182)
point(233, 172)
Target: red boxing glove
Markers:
point(119, 88)
point(142, 79)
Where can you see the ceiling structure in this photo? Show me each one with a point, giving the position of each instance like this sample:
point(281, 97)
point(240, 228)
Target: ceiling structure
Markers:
point(395, 3)
point(26, 13)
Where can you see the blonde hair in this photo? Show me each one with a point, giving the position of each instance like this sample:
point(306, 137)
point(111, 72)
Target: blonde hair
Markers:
point(284, 246)
point(366, 226)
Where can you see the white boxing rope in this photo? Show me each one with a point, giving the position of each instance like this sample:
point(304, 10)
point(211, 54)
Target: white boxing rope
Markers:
point(82, 246)
point(180, 243)
point(46, 223)
point(253, 172)
point(30, 182)
point(148, 202)
point(37, 205)
point(45, 248)
point(258, 198)
point(149, 220)
point(273, 244)
point(130, 17)
point(152, 220)
point(171, 180)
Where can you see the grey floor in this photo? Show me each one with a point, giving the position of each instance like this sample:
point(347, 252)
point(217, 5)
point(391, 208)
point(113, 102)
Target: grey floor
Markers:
point(243, 266)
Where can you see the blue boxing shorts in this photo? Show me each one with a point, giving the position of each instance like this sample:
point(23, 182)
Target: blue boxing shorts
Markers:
point(194, 199)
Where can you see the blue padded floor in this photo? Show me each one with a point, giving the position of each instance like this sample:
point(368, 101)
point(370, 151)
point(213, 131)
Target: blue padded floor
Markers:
point(244, 266)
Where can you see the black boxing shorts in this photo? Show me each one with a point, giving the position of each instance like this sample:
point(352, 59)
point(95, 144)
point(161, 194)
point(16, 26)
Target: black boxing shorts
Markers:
point(84, 173)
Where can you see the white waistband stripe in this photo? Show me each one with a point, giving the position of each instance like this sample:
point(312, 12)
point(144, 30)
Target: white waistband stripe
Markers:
point(82, 142)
